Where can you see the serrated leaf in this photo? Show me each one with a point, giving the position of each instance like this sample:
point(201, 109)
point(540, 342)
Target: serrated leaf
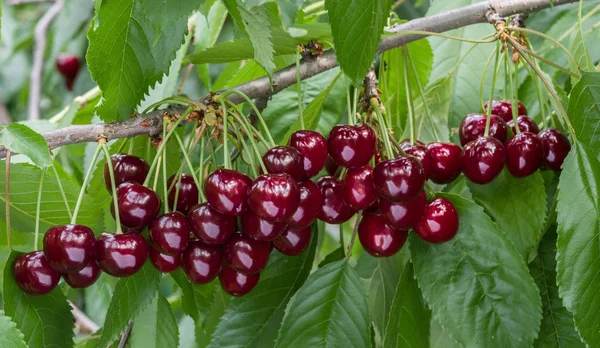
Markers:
point(438, 337)
point(219, 305)
point(336, 255)
point(331, 307)
point(21, 139)
point(477, 285)
point(580, 52)
point(584, 109)
point(196, 298)
point(155, 326)
point(10, 336)
point(97, 297)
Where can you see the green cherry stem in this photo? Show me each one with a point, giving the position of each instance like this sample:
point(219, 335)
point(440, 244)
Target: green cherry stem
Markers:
point(104, 147)
point(493, 87)
point(547, 37)
point(349, 104)
point(201, 197)
point(409, 104)
point(131, 146)
point(482, 82)
point(226, 158)
point(299, 84)
point(354, 232)
point(85, 183)
point(239, 119)
point(245, 147)
point(258, 114)
point(513, 93)
point(188, 161)
point(164, 171)
point(38, 209)
point(7, 199)
point(62, 191)
point(383, 126)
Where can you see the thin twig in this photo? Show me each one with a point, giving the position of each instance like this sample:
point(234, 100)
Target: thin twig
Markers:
point(24, 2)
point(126, 334)
point(82, 320)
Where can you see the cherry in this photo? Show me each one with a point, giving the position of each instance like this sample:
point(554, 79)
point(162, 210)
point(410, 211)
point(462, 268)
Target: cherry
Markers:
point(284, 159)
point(274, 197)
point(125, 168)
point(68, 66)
point(483, 159)
point(334, 210)
point(121, 255)
point(422, 154)
point(358, 187)
point(378, 237)
point(331, 167)
point(34, 274)
point(201, 262)
point(555, 146)
point(188, 193)
point(403, 215)
point(164, 263)
point(473, 127)
point(503, 108)
point(523, 154)
point(69, 248)
point(169, 233)
point(293, 241)
point(405, 144)
point(351, 146)
point(209, 225)
point(245, 254)
point(446, 164)
point(312, 146)
point(310, 204)
point(226, 191)
point(399, 179)
point(525, 123)
point(439, 223)
point(138, 205)
point(83, 278)
point(237, 283)
point(260, 229)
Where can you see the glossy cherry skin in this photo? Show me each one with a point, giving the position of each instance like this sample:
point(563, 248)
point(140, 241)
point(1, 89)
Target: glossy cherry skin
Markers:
point(227, 191)
point(439, 223)
point(351, 146)
point(164, 263)
point(309, 206)
point(69, 248)
point(523, 154)
point(422, 154)
point(334, 210)
point(245, 254)
point(68, 66)
point(274, 197)
point(261, 229)
point(34, 274)
point(331, 167)
point(284, 159)
point(525, 123)
point(473, 127)
point(293, 241)
point(209, 225)
point(378, 237)
point(169, 233)
point(201, 262)
point(403, 215)
point(126, 168)
point(503, 108)
point(188, 193)
point(406, 144)
point(483, 160)
point(446, 162)
point(121, 255)
point(399, 179)
point(236, 283)
point(312, 146)
point(555, 146)
point(359, 188)
point(138, 205)
point(83, 278)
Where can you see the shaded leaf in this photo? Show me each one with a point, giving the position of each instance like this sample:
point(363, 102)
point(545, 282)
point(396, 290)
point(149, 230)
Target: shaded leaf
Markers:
point(21, 139)
point(155, 326)
point(196, 298)
point(10, 336)
point(336, 255)
point(432, 126)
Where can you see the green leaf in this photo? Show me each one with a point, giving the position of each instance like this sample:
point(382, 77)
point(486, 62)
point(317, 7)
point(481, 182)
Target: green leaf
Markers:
point(216, 310)
point(584, 109)
point(580, 53)
point(196, 298)
point(155, 326)
point(10, 336)
point(21, 139)
point(439, 338)
point(518, 206)
point(477, 284)
point(45, 321)
point(433, 126)
point(331, 307)
point(336, 255)
point(97, 297)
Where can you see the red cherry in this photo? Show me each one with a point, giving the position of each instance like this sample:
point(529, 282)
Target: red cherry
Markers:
point(399, 179)
point(226, 191)
point(201, 263)
point(422, 154)
point(293, 241)
point(378, 237)
point(403, 215)
point(504, 109)
point(284, 159)
point(169, 233)
point(358, 187)
point(138, 205)
point(473, 127)
point(483, 159)
point(351, 146)
point(334, 210)
point(523, 154)
point(125, 168)
point(121, 255)
point(310, 205)
point(274, 197)
point(68, 66)
point(210, 226)
point(188, 193)
point(260, 229)
point(405, 144)
point(439, 223)
point(164, 263)
point(446, 164)
point(331, 166)
point(245, 254)
point(555, 146)
point(236, 283)
point(69, 248)
point(34, 274)
point(525, 123)
point(83, 278)
point(312, 146)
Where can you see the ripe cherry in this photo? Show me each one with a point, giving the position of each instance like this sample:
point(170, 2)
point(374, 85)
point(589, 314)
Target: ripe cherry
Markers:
point(83, 278)
point(403, 215)
point(359, 189)
point(164, 263)
point(334, 210)
point(351, 146)
point(312, 146)
point(68, 66)
point(523, 154)
point(126, 168)
point(188, 193)
point(446, 163)
point(201, 262)
point(169, 233)
point(138, 205)
point(209, 225)
point(378, 237)
point(284, 159)
point(439, 223)
point(503, 108)
point(399, 179)
point(260, 229)
point(69, 248)
point(525, 123)
point(473, 127)
point(236, 283)
point(121, 255)
point(483, 159)
point(555, 146)
point(422, 154)
point(274, 197)
point(310, 204)
point(245, 254)
point(226, 191)
point(293, 241)
point(34, 274)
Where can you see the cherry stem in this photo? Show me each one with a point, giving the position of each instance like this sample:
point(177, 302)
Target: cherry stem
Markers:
point(85, 183)
point(200, 171)
point(383, 127)
point(7, 199)
point(493, 87)
point(505, 58)
point(157, 174)
point(188, 162)
point(547, 37)
point(38, 209)
point(299, 84)
point(113, 185)
point(513, 91)
point(131, 146)
point(62, 191)
point(252, 130)
point(199, 134)
point(351, 245)
point(481, 83)
point(245, 147)
point(409, 105)
point(431, 33)
point(258, 114)
point(354, 105)
point(538, 88)
point(349, 105)
point(240, 120)
point(341, 230)
point(163, 163)
point(226, 159)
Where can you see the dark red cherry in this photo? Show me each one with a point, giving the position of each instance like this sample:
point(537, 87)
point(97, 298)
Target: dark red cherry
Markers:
point(312, 146)
point(359, 189)
point(201, 262)
point(293, 241)
point(236, 283)
point(274, 197)
point(483, 159)
point(310, 205)
point(378, 237)
point(399, 179)
point(351, 146)
point(188, 193)
point(525, 123)
point(83, 278)
point(169, 233)
point(473, 127)
point(503, 108)
point(34, 274)
point(439, 223)
point(245, 254)
point(126, 168)
point(403, 215)
point(284, 159)
point(164, 263)
point(260, 229)
point(138, 205)
point(422, 154)
point(523, 154)
point(69, 248)
point(555, 146)
point(121, 255)
point(331, 167)
point(68, 66)
point(446, 162)
point(210, 226)
point(334, 210)
point(227, 191)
